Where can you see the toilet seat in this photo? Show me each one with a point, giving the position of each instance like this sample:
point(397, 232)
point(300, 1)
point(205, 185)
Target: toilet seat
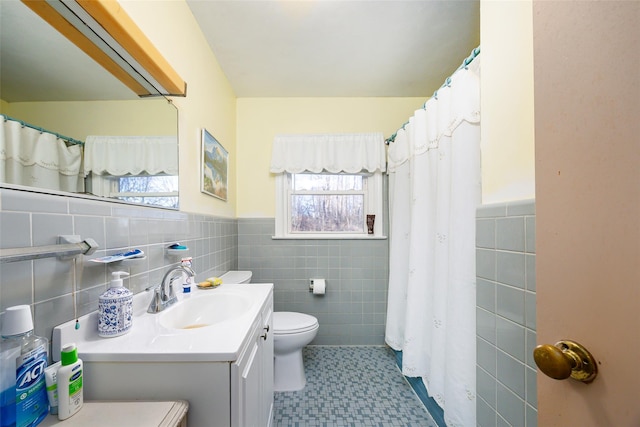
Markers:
point(286, 322)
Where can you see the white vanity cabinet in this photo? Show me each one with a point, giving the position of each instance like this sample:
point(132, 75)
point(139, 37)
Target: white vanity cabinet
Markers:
point(252, 376)
point(267, 367)
point(225, 372)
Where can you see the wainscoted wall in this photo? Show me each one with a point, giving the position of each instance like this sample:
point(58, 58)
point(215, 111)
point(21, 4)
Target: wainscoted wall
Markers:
point(353, 310)
point(506, 315)
point(33, 219)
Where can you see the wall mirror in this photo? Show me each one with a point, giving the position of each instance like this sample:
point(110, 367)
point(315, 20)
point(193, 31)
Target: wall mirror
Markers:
point(49, 86)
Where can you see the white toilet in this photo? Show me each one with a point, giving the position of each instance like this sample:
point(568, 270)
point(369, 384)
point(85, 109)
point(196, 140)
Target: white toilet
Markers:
point(234, 277)
point(291, 333)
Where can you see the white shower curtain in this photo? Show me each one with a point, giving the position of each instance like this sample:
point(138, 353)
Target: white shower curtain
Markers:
point(434, 189)
point(38, 159)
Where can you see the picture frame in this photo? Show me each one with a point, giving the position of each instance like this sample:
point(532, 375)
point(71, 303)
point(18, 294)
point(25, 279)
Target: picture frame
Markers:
point(214, 167)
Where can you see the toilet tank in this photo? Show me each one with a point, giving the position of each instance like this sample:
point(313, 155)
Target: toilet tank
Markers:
point(236, 277)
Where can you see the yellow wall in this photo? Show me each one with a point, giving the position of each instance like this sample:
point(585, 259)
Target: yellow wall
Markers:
point(507, 110)
point(246, 126)
point(79, 119)
point(508, 166)
point(260, 119)
point(210, 102)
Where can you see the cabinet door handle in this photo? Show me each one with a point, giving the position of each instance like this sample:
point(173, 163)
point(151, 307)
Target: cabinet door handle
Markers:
point(266, 331)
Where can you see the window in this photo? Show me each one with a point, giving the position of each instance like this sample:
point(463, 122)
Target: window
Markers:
point(154, 190)
point(140, 169)
point(328, 186)
point(328, 205)
point(159, 190)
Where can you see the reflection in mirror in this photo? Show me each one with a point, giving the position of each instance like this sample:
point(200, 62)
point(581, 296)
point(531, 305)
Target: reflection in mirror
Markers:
point(52, 94)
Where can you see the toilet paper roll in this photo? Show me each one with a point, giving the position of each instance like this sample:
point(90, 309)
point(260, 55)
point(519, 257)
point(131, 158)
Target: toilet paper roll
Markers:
point(319, 286)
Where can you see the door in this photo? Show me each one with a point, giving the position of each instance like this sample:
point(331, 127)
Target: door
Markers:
point(587, 137)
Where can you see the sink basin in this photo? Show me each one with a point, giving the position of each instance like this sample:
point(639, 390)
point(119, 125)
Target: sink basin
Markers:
point(218, 321)
point(205, 311)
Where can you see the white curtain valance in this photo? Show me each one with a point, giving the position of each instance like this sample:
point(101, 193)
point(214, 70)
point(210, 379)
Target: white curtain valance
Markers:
point(130, 155)
point(335, 153)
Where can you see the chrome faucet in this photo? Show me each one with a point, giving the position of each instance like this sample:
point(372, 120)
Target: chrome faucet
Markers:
point(163, 293)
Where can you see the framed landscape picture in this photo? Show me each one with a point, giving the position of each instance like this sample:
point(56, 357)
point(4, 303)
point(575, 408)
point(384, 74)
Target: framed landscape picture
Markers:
point(214, 167)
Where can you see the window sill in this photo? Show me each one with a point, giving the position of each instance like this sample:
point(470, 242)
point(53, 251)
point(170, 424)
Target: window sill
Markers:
point(330, 237)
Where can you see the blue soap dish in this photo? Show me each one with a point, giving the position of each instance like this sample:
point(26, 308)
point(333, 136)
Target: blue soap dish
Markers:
point(178, 247)
point(135, 253)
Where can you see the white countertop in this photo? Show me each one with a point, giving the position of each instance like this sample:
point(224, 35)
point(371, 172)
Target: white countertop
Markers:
point(149, 341)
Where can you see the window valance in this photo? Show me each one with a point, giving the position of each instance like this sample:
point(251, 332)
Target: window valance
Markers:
point(335, 153)
point(131, 155)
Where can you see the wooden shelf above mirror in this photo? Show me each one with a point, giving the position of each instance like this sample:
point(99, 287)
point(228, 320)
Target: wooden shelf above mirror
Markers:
point(104, 31)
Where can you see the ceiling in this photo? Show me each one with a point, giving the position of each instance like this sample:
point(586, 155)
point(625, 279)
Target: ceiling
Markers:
point(338, 48)
point(268, 48)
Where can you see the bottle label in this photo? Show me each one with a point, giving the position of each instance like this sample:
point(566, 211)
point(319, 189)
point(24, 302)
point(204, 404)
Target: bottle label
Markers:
point(31, 393)
point(8, 407)
point(75, 389)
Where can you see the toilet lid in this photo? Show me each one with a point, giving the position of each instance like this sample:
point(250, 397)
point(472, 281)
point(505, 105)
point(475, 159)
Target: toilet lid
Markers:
point(236, 277)
point(287, 322)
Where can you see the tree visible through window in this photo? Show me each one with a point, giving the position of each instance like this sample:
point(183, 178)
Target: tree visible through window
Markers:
point(327, 203)
point(160, 190)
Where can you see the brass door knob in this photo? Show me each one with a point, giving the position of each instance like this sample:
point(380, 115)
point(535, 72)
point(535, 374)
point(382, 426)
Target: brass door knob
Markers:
point(566, 359)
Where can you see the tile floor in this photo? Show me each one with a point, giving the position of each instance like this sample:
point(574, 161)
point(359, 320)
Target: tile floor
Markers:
point(351, 386)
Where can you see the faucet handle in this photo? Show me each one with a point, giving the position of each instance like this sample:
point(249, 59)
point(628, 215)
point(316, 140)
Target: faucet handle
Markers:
point(157, 296)
point(156, 302)
point(152, 287)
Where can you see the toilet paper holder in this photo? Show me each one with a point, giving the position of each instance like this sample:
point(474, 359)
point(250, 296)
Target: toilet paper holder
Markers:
point(312, 282)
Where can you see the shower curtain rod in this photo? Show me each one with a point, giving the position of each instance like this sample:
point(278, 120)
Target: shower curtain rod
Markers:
point(475, 52)
point(41, 130)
